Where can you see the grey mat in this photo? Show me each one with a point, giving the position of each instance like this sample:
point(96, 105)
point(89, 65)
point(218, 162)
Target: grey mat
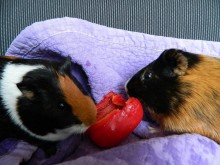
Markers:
point(192, 19)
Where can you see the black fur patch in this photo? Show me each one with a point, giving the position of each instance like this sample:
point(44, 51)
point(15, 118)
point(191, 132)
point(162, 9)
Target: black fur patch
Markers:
point(157, 87)
point(47, 113)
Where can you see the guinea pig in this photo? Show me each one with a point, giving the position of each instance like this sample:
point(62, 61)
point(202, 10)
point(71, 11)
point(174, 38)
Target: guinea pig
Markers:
point(41, 102)
point(181, 92)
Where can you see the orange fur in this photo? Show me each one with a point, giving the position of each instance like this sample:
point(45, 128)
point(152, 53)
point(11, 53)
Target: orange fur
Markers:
point(200, 112)
point(83, 106)
point(9, 57)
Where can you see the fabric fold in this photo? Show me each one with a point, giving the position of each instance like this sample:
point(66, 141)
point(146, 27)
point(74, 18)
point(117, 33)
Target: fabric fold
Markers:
point(109, 57)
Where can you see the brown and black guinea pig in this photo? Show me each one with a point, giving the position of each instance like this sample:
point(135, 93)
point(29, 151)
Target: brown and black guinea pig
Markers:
point(41, 102)
point(181, 92)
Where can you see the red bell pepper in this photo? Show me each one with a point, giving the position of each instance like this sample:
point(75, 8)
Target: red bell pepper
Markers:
point(116, 119)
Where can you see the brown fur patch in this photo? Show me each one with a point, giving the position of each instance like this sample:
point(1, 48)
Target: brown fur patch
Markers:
point(82, 106)
point(182, 65)
point(9, 57)
point(28, 94)
point(200, 113)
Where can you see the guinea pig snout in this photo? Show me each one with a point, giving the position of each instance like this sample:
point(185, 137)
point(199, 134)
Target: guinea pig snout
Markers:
point(132, 87)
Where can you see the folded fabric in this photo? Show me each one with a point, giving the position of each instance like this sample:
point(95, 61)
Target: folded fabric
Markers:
point(105, 58)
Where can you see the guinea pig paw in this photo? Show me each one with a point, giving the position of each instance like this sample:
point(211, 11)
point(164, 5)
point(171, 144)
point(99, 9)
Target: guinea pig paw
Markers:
point(50, 150)
point(152, 129)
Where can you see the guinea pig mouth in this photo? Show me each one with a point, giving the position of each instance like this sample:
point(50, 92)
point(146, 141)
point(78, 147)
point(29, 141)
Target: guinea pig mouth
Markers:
point(148, 112)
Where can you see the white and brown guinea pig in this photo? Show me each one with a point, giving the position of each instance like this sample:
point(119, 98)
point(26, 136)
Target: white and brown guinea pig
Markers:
point(181, 91)
point(41, 102)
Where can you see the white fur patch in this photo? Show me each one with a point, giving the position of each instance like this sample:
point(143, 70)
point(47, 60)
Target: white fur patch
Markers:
point(13, 74)
point(64, 133)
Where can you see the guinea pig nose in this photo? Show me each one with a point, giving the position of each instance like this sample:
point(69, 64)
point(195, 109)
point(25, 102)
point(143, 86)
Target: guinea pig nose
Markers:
point(132, 84)
point(130, 89)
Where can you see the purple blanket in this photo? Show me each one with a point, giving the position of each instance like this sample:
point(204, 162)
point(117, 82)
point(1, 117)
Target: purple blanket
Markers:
point(109, 57)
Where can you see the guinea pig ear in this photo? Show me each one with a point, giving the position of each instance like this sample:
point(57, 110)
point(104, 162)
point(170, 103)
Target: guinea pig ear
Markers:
point(26, 92)
point(175, 62)
point(66, 66)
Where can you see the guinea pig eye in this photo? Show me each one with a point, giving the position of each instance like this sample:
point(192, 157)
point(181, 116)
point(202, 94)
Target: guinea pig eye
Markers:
point(63, 106)
point(146, 76)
